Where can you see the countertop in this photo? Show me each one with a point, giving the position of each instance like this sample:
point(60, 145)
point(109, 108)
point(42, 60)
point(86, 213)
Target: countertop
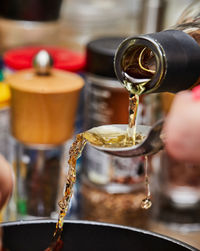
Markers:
point(190, 237)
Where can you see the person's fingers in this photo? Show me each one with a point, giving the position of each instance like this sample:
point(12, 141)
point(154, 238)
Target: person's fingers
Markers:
point(173, 126)
point(6, 181)
point(182, 128)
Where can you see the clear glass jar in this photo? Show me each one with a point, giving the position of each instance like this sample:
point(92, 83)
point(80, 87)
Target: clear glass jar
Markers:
point(177, 194)
point(38, 178)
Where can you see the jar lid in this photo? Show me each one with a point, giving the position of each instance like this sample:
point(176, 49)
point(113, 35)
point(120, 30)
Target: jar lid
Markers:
point(4, 95)
point(100, 56)
point(58, 81)
point(21, 58)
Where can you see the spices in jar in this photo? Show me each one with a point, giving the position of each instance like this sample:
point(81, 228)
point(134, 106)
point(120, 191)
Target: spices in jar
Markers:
point(118, 208)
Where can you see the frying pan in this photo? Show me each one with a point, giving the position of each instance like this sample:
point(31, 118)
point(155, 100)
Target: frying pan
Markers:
point(87, 236)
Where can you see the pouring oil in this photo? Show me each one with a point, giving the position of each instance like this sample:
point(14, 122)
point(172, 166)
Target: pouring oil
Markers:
point(139, 67)
point(133, 108)
point(141, 72)
point(146, 202)
point(74, 152)
point(113, 140)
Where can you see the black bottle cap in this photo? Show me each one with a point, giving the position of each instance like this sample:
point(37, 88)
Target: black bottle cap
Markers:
point(182, 59)
point(100, 55)
point(30, 10)
point(177, 60)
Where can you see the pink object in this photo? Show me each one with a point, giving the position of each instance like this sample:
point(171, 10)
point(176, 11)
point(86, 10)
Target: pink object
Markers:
point(196, 93)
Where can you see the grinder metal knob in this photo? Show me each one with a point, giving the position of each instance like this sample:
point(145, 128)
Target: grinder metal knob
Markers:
point(43, 63)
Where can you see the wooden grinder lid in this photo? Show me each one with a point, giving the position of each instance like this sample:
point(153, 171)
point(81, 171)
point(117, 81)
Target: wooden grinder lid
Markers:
point(43, 103)
point(43, 79)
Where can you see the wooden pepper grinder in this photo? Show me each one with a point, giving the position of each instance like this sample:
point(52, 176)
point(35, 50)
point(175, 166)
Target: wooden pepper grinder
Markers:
point(43, 111)
point(43, 103)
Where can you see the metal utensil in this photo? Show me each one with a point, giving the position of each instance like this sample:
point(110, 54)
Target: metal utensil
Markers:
point(151, 144)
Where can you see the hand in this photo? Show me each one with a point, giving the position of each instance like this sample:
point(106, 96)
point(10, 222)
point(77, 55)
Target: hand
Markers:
point(182, 128)
point(6, 181)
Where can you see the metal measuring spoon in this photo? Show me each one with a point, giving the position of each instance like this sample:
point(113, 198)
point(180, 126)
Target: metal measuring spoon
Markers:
point(151, 144)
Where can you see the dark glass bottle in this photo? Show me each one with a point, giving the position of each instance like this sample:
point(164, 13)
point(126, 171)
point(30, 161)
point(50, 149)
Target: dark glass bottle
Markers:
point(166, 61)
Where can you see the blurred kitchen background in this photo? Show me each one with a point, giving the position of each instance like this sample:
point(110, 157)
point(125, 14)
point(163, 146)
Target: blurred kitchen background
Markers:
point(81, 36)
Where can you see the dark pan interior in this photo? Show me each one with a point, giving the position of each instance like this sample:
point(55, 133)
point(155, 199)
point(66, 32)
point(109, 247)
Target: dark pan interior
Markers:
point(87, 236)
